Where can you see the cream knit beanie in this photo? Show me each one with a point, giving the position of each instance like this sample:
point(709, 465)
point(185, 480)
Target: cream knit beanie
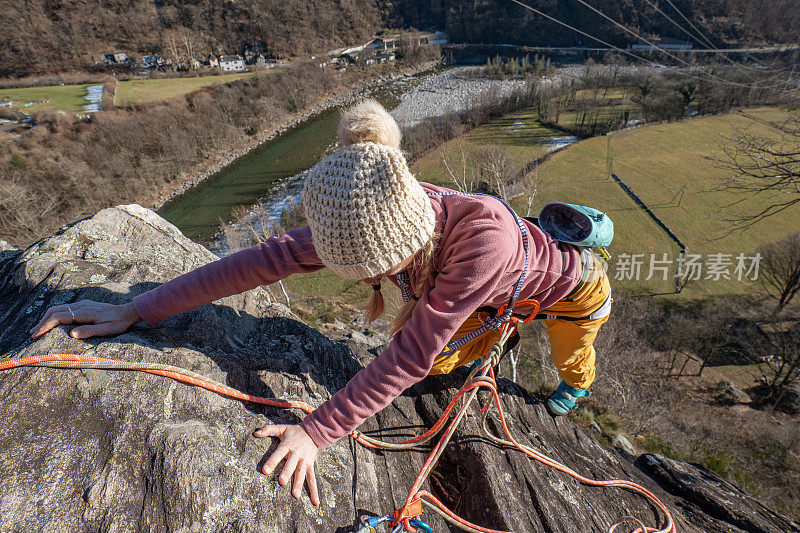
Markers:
point(366, 210)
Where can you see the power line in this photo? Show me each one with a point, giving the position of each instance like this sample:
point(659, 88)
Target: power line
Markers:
point(689, 22)
point(712, 46)
point(628, 53)
point(704, 41)
point(621, 26)
point(573, 28)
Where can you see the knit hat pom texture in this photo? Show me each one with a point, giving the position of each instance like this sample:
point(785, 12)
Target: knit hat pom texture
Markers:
point(366, 210)
point(369, 121)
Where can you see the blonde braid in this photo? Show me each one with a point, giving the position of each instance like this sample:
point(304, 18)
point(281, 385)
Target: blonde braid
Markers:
point(375, 306)
point(424, 261)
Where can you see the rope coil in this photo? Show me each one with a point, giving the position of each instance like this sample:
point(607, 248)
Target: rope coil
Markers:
point(407, 516)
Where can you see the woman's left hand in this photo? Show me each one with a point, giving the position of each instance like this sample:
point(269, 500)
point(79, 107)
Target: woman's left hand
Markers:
point(300, 453)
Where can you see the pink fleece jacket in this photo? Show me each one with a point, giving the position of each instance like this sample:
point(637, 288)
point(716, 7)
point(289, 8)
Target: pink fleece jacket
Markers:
point(479, 257)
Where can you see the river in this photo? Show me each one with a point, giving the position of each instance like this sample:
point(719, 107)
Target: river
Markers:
point(198, 212)
point(262, 176)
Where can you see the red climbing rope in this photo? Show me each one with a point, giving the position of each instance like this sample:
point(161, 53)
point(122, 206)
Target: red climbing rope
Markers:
point(480, 377)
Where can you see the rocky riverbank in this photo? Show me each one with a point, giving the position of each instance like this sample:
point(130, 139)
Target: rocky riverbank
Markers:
point(338, 100)
point(453, 90)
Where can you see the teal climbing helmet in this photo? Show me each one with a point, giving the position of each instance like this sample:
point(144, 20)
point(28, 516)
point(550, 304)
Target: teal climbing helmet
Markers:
point(576, 224)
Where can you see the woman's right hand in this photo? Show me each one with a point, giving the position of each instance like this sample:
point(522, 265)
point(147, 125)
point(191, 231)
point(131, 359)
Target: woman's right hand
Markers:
point(103, 319)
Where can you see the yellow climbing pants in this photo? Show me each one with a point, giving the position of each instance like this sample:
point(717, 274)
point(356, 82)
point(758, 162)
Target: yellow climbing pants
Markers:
point(571, 342)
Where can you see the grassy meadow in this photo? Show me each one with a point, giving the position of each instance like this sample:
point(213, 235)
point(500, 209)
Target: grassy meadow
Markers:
point(70, 97)
point(160, 89)
point(521, 134)
point(63, 97)
point(666, 165)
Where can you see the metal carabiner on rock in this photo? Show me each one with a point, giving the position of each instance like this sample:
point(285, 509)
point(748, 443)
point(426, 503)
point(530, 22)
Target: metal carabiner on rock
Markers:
point(421, 525)
point(368, 525)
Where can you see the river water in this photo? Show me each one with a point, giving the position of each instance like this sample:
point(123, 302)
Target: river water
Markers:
point(263, 177)
point(249, 180)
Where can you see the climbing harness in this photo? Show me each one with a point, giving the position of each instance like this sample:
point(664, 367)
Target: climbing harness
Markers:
point(504, 314)
point(407, 517)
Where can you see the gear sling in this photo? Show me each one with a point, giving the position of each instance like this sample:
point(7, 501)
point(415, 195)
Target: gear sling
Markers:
point(476, 335)
point(475, 327)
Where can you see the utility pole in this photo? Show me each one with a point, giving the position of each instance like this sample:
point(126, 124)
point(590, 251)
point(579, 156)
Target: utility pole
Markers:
point(679, 196)
point(788, 82)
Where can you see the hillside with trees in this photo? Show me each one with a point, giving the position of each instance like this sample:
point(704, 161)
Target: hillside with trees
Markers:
point(725, 22)
point(47, 36)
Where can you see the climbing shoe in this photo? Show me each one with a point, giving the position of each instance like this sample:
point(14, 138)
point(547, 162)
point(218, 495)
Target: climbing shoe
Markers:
point(562, 401)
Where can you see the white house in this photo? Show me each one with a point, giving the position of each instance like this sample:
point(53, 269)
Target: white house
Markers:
point(231, 63)
point(383, 43)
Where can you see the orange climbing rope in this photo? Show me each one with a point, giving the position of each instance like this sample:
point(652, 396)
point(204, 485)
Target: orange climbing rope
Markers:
point(480, 377)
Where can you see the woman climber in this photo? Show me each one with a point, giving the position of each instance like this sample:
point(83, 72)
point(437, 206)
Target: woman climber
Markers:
point(458, 259)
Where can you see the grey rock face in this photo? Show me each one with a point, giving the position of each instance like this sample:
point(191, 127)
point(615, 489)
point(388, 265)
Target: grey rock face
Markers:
point(91, 450)
point(728, 394)
point(713, 495)
point(623, 444)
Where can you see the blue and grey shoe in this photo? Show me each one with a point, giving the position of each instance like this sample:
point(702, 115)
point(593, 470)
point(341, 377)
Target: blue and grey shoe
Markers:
point(562, 401)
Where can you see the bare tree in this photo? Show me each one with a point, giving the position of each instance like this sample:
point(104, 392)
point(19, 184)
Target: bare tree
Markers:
point(496, 169)
point(628, 381)
point(257, 225)
point(189, 46)
point(782, 370)
point(457, 167)
point(710, 339)
point(762, 166)
point(536, 181)
point(780, 269)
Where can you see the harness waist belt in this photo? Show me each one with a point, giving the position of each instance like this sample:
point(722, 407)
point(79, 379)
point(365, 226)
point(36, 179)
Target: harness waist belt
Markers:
point(602, 312)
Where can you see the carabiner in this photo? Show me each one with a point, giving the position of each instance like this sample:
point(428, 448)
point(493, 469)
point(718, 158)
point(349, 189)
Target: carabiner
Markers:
point(421, 525)
point(368, 525)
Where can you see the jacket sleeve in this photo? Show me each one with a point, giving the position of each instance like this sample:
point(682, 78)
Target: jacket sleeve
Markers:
point(469, 277)
point(262, 264)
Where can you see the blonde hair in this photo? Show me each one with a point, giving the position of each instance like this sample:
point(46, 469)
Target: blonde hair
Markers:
point(423, 263)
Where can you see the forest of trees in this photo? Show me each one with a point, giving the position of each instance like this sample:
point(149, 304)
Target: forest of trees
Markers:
point(53, 36)
point(501, 21)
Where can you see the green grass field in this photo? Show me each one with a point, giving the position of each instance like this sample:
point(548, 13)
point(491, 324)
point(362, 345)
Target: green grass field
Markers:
point(657, 162)
point(160, 89)
point(520, 133)
point(63, 97)
point(70, 97)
